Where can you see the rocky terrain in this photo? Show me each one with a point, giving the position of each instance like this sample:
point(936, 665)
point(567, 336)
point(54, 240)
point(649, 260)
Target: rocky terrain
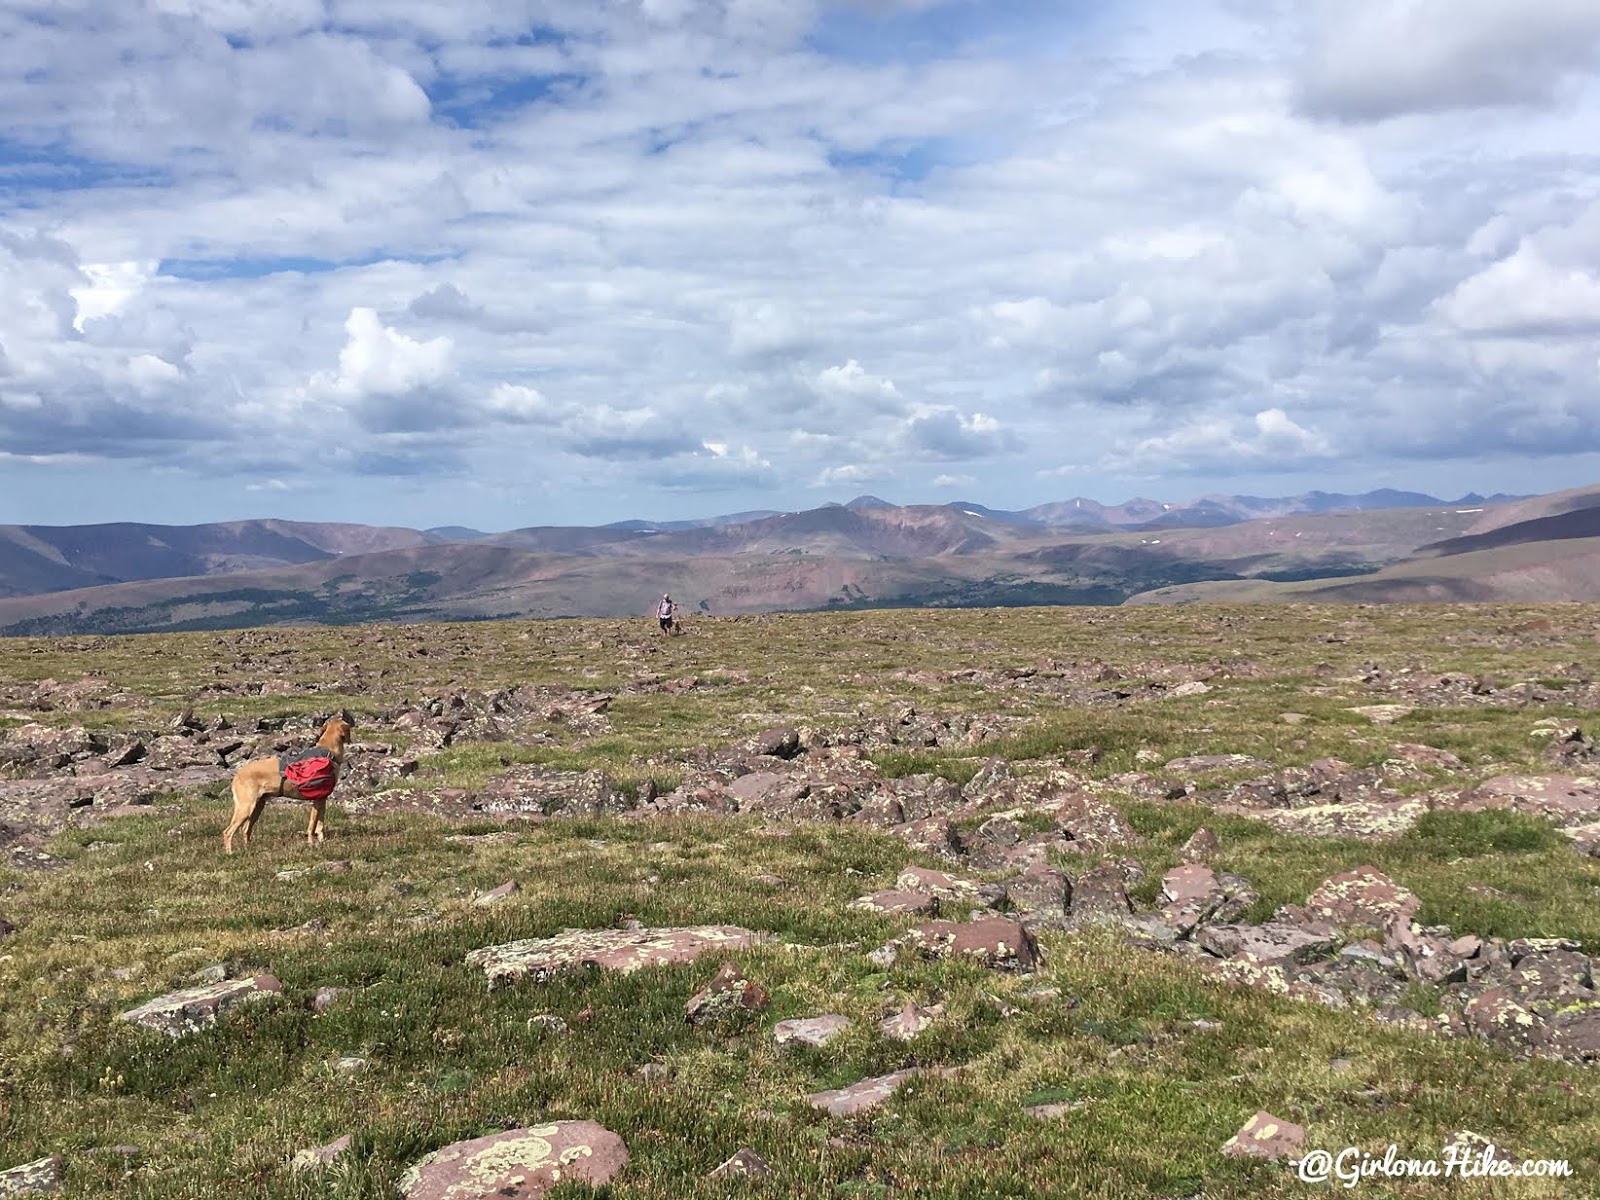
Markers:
point(1032, 902)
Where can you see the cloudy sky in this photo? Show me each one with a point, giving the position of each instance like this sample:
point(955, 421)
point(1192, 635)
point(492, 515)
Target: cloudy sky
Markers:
point(513, 262)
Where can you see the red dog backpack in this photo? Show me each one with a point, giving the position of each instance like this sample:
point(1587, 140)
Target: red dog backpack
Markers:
point(313, 774)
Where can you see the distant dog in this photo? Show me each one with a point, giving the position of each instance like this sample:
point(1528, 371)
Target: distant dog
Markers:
point(318, 770)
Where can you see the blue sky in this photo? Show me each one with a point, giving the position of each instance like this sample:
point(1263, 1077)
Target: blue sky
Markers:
point(512, 262)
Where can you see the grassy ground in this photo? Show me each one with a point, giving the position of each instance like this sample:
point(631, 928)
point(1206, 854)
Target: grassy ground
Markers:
point(146, 901)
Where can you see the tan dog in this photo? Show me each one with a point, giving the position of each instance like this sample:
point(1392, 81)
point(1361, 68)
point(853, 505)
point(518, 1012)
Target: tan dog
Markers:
point(263, 777)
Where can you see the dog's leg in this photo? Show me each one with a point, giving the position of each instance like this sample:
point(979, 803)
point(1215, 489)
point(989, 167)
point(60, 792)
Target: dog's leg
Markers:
point(243, 805)
point(314, 829)
point(256, 810)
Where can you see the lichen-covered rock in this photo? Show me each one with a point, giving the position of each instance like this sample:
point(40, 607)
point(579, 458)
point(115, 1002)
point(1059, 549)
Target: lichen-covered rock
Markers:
point(1496, 1015)
point(1383, 714)
point(994, 941)
point(1202, 764)
point(905, 1024)
point(1565, 799)
point(494, 895)
point(810, 1031)
point(1043, 894)
point(1553, 979)
point(1273, 943)
point(42, 1177)
point(936, 883)
point(523, 1163)
point(858, 1097)
point(180, 1013)
point(1265, 1136)
point(1202, 844)
point(1099, 895)
point(1364, 897)
point(728, 994)
point(621, 950)
point(320, 1156)
point(745, 1163)
point(919, 903)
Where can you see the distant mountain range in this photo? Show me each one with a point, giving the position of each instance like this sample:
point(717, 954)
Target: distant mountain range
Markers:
point(867, 553)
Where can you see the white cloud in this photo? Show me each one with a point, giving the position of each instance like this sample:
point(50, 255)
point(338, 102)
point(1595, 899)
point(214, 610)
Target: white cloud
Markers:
point(1272, 441)
point(1372, 59)
point(954, 481)
point(690, 246)
point(380, 361)
point(851, 382)
point(1524, 294)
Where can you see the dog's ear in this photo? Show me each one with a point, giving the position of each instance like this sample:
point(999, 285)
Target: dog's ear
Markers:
point(347, 717)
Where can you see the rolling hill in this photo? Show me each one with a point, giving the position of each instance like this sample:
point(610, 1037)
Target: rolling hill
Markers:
point(860, 555)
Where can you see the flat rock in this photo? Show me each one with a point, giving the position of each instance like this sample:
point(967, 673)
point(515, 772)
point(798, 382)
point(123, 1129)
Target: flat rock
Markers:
point(180, 1013)
point(1100, 895)
point(895, 901)
point(522, 1163)
point(620, 950)
point(993, 941)
point(1496, 1015)
point(858, 1097)
point(1202, 844)
point(810, 1031)
point(42, 1177)
point(745, 1164)
point(1365, 897)
point(1565, 799)
point(1383, 714)
point(1265, 1136)
point(494, 895)
point(1272, 943)
point(321, 1156)
point(905, 1024)
point(1043, 893)
point(1201, 764)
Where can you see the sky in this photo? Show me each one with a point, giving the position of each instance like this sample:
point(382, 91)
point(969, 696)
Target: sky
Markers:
point(502, 263)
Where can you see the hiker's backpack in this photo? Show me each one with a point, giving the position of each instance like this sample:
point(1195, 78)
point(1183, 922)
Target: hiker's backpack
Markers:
point(313, 773)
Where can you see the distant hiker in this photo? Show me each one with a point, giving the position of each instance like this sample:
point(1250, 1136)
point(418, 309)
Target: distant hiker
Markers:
point(666, 613)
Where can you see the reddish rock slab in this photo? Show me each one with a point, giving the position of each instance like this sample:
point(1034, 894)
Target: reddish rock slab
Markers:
point(621, 950)
point(810, 1031)
point(1043, 894)
point(1190, 884)
point(1496, 1015)
point(905, 1024)
point(936, 883)
point(858, 1097)
point(919, 903)
point(1100, 895)
point(178, 1014)
point(994, 941)
point(1201, 764)
point(1202, 844)
point(727, 994)
point(521, 1163)
point(932, 835)
point(494, 895)
point(1364, 897)
point(1273, 943)
point(1265, 1136)
point(1576, 1035)
point(1565, 799)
